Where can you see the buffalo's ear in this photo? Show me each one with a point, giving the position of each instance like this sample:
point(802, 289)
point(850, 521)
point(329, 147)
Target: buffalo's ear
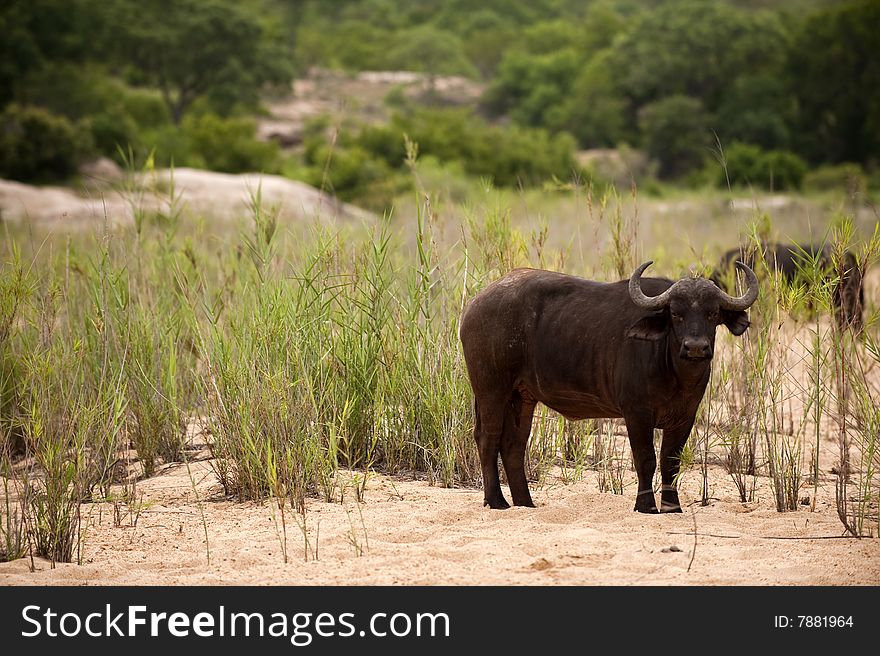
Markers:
point(654, 326)
point(736, 322)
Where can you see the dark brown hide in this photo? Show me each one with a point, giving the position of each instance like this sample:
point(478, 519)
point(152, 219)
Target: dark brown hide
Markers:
point(585, 349)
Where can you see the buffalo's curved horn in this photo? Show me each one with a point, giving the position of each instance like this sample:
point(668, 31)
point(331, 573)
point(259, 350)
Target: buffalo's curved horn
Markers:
point(638, 296)
point(746, 300)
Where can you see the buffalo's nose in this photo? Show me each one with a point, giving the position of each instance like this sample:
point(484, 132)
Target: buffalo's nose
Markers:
point(697, 348)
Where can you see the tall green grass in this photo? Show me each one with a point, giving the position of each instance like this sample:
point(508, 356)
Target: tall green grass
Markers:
point(305, 354)
point(796, 377)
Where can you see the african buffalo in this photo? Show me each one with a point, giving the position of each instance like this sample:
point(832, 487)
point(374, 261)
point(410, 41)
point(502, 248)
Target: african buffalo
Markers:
point(790, 259)
point(593, 349)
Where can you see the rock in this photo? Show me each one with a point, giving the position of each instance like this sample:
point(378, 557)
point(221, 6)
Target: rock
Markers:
point(217, 196)
point(101, 171)
point(618, 166)
point(541, 564)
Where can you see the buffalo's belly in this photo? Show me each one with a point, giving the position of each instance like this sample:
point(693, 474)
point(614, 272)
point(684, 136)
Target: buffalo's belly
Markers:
point(578, 405)
point(581, 413)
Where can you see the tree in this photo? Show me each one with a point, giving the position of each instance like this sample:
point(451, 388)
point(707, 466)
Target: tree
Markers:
point(756, 109)
point(549, 36)
point(432, 51)
point(834, 71)
point(675, 132)
point(600, 25)
point(38, 33)
point(486, 39)
point(694, 48)
point(192, 49)
point(352, 45)
point(595, 111)
point(451, 14)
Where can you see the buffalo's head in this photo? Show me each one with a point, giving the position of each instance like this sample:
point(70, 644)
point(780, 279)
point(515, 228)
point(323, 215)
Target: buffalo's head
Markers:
point(689, 311)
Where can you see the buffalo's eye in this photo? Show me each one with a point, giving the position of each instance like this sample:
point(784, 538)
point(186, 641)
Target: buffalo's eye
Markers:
point(676, 316)
point(714, 317)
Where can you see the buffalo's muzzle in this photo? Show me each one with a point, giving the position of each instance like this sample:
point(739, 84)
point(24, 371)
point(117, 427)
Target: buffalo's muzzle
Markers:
point(696, 349)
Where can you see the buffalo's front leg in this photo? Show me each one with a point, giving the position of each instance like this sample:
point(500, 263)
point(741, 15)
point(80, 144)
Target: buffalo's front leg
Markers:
point(515, 438)
point(673, 443)
point(640, 429)
point(487, 434)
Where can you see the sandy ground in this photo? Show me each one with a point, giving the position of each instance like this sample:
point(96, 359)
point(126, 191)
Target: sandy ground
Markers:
point(411, 533)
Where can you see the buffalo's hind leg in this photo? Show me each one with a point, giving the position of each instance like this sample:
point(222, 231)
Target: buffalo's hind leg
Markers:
point(514, 439)
point(487, 434)
point(673, 443)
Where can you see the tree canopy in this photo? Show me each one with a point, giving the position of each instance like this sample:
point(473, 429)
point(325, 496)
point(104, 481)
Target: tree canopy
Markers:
point(694, 48)
point(196, 48)
point(674, 77)
point(834, 70)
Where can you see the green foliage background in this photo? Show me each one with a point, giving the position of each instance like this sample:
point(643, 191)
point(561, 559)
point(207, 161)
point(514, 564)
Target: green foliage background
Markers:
point(799, 80)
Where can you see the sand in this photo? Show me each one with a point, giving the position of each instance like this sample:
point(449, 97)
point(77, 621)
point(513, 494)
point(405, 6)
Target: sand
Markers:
point(408, 532)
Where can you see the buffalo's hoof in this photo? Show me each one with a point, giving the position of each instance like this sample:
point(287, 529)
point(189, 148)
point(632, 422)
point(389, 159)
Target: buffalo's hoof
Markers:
point(647, 511)
point(497, 504)
point(645, 503)
point(524, 504)
point(669, 500)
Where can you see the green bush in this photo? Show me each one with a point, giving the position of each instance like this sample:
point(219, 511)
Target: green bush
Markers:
point(346, 168)
point(229, 144)
point(113, 134)
point(749, 165)
point(211, 142)
point(115, 114)
point(742, 164)
point(508, 155)
point(837, 177)
point(145, 107)
point(36, 145)
point(783, 170)
point(70, 90)
point(384, 142)
point(396, 98)
point(170, 146)
point(532, 89)
point(353, 174)
point(79, 92)
point(521, 156)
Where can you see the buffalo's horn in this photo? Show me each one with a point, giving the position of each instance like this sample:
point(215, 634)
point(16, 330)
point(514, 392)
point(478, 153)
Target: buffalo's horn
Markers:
point(746, 300)
point(638, 296)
